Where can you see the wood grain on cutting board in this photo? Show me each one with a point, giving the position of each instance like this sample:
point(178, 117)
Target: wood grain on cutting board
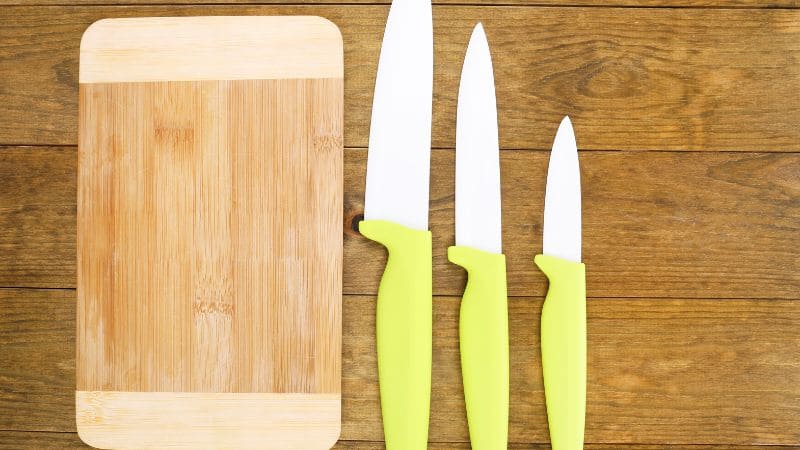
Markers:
point(209, 233)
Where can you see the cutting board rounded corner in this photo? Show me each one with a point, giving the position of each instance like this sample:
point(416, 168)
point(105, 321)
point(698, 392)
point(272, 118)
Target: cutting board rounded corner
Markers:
point(93, 32)
point(333, 33)
point(88, 436)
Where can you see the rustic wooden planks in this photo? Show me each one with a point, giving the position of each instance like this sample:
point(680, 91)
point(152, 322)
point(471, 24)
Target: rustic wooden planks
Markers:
point(16, 440)
point(658, 224)
point(642, 79)
point(632, 79)
point(37, 361)
point(657, 369)
point(37, 216)
point(608, 3)
point(687, 371)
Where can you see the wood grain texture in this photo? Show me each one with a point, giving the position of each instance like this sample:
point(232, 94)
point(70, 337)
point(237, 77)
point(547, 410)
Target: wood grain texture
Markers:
point(657, 224)
point(37, 216)
point(632, 79)
point(166, 49)
point(29, 440)
point(673, 373)
point(198, 229)
point(37, 360)
point(750, 4)
point(204, 420)
point(689, 371)
point(679, 371)
point(209, 248)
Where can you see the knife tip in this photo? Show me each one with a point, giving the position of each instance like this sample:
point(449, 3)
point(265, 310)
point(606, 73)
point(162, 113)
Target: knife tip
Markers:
point(478, 32)
point(478, 43)
point(565, 137)
point(565, 128)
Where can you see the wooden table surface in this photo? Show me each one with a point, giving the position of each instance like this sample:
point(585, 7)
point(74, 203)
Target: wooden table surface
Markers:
point(688, 120)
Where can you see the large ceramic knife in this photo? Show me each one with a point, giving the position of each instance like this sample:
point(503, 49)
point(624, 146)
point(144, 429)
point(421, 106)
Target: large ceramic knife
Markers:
point(396, 215)
point(483, 327)
point(564, 311)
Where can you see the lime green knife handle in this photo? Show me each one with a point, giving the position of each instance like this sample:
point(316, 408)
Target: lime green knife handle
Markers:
point(483, 332)
point(564, 350)
point(404, 333)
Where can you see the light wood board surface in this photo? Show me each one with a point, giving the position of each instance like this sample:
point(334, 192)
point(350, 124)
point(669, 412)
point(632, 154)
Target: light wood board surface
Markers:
point(209, 244)
point(689, 129)
point(166, 49)
point(204, 420)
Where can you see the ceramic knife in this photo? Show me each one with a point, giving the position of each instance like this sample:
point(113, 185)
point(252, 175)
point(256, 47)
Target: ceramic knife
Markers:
point(483, 326)
point(396, 216)
point(563, 325)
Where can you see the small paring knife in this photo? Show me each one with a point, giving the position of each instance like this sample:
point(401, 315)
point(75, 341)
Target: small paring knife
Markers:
point(483, 326)
point(396, 215)
point(563, 326)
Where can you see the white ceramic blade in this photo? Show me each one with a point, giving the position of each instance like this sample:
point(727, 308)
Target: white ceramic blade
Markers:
point(562, 201)
point(398, 163)
point(477, 151)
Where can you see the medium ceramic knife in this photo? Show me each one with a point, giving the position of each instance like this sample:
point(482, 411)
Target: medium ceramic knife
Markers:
point(483, 326)
point(396, 216)
point(564, 311)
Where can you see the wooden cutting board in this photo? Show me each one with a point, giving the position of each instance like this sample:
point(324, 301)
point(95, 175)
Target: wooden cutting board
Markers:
point(210, 233)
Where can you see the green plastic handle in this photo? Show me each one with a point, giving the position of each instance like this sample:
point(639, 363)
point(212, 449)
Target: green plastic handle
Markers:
point(483, 331)
point(404, 333)
point(564, 350)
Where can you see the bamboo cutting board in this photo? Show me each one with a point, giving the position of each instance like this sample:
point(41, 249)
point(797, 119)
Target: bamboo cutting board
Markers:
point(209, 233)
